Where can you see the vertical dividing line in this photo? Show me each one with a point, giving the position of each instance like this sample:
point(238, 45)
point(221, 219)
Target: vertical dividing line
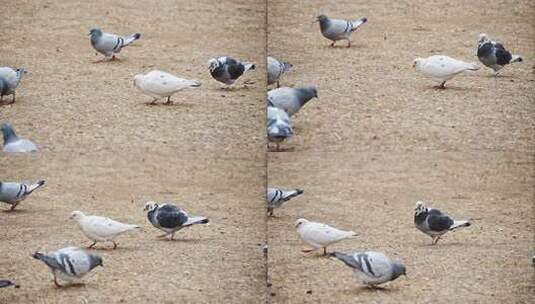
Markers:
point(266, 224)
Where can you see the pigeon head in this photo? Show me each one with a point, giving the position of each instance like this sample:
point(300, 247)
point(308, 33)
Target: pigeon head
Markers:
point(482, 38)
point(307, 93)
point(95, 32)
point(416, 63)
point(95, 261)
point(76, 215)
point(322, 18)
point(137, 78)
point(150, 205)
point(20, 72)
point(8, 132)
point(213, 64)
point(420, 208)
point(397, 270)
point(300, 222)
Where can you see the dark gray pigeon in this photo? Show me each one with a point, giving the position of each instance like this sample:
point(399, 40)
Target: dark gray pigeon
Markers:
point(336, 29)
point(7, 283)
point(435, 223)
point(14, 193)
point(110, 44)
point(371, 268)
point(170, 219)
point(14, 144)
point(275, 69)
point(69, 264)
point(493, 54)
point(278, 126)
point(227, 70)
point(276, 197)
point(9, 81)
point(291, 100)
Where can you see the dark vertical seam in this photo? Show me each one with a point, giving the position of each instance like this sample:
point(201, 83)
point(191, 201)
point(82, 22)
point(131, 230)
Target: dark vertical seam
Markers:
point(266, 227)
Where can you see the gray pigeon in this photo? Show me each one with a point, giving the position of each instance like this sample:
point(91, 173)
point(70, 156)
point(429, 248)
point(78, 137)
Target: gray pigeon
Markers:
point(14, 144)
point(275, 69)
point(169, 218)
point(336, 29)
point(110, 44)
point(9, 80)
point(14, 193)
point(7, 283)
point(435, 223)
point(493, 54)
point(291, 99)
point(371, 268)
point(69, 264)
point(276, 197)
point(227, 70)
point(278, 126)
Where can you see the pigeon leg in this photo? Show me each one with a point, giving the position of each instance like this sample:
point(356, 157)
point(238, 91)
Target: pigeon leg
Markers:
point(13, 206)
point(348, 43)
point(324, 251)
point(114, 244)
point(278, 148)
point(442, 85)
point(171, 236)
point(113, 57)
point(13, 100)
point(278, 84)
point(332, 44)
point(56, 281)
point(169, 100)
point(91, 246)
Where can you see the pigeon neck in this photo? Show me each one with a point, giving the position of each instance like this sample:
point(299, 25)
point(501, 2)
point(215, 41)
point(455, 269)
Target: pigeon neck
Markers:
point(9, 135)
point(4, 87)
point(324, 23)
point(305, 95)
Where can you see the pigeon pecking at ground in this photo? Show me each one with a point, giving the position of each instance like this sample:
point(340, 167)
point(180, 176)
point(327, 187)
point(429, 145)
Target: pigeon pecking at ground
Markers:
point(169, 218)
point(493, 54)
point(110, 44)
point(336, 29)
point(275, 69)
point(320, 235)
point(371, 268)
point(227, 70)
point(276, 197)
point(434, 223)
point(14, 144)
point(69, 264)
point(14, 193)
point(291, 100)
point(99, 228)
point(159, 84)
point(442, 68)
point(9, 81)
point(278, 126)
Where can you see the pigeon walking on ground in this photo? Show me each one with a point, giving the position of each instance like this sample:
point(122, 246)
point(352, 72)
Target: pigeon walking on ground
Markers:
point(14, 193)
point(371, 268)
point(227, 70)
point(291, 100)
point(9, 80)
point(319, 235)
point(493, 54)
point(276, 197)
point(170, 219)
point(110, 44)
point(159, 84)
point(442, 68)
point(336, 29)
point(275, 69)
point(14, 144)
point(434, 223)
point(278, 126)
point(7, 283)
point(69, 264)
point(99, 228)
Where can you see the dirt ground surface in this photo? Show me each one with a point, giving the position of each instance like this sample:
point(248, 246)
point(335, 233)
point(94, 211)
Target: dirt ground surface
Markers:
point(379, 138)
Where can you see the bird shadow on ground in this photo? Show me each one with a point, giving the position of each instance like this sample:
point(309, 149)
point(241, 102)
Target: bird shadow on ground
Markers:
point(174, 104)
point(360, 290)
point(452, 88)
point(185, 240)
point(287, 149)
point(16, 211)
point(110, 248)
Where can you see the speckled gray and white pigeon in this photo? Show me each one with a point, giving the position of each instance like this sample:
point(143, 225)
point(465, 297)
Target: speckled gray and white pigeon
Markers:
point(371, 268)
point(493, 54)
point(14, 144)
point(14, 193)
point(227, 70)
point(110, 44)
point(278, 126)
point(69, 264)
point(9, 81)
point(336, 29)
point(170, 218)
point(291, 100)
point(275, 197)
point(275, 69)
point(434, 223)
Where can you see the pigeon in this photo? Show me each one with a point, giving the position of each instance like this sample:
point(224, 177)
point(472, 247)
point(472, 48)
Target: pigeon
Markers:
point(320, 235)
point(14, 144)
point(278, 126)
point(371, 268)
point(291, 99)
point(442, 68)
point(493, 54)
point(110, 44)
point(336, 29)
point(100, 229)
point(7, 283)
point(169, 218)
point(275, 69)
point(159, 84)
point(14, 193)
point(227, 70)
point(69, 264)
point(276, 197)
point(435, 223)
point(9, 80)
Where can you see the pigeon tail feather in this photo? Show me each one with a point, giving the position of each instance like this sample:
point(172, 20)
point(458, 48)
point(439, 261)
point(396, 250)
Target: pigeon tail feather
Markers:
point(248, 66)
point(35, 186)
point(516, 58)
point(459, 224)
point(358, 23)
point(131, 38)
point(196, 220)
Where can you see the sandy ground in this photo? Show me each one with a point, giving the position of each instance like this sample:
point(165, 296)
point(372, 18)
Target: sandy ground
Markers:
point(105, 152)
point(379, 138)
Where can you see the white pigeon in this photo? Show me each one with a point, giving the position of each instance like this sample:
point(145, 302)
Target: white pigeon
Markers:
point(14, 144)
point(275, 69)
point(99, 228)
point(442, 68)
point(69, 264)
point(371, 268)
point(14, 193)
point(319, 235)
point(159, 84)
point(275, 197)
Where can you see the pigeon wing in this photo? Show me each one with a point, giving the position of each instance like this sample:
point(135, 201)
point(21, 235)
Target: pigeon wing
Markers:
point(169, 216)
